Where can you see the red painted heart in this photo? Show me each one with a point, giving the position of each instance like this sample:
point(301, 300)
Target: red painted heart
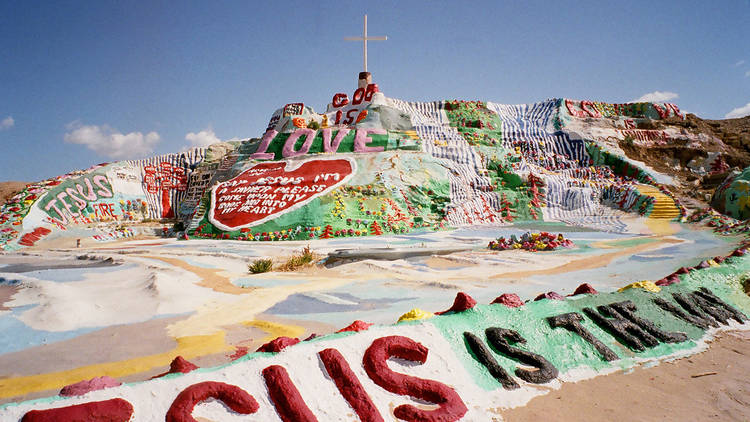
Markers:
point(268, 190)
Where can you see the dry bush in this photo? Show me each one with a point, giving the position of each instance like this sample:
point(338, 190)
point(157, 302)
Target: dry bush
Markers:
point(295, 262)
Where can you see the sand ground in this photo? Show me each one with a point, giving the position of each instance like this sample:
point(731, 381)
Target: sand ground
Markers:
point(711, 386)
point(8, 189)
point(6, 292)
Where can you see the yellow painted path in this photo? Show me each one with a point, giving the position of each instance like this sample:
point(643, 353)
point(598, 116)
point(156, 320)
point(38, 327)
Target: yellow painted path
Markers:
point(664, 206)
point(665, 210)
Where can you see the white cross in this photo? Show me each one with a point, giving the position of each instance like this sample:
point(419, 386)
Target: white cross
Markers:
point(364, 38)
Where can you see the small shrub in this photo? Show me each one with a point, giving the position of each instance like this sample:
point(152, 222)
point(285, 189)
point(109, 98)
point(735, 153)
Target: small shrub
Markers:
point(745, 281)
point(313, 125)
point(260, 266)
point(297, 261)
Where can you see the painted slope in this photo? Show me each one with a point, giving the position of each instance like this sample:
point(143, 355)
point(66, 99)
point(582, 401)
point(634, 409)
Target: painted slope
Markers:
point(430, 165)
point(466, 364)
point(104, 198)
point(731, 197)
point(411, 166)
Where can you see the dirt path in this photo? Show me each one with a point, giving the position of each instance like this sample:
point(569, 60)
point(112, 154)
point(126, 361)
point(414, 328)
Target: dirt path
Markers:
point(711, 386)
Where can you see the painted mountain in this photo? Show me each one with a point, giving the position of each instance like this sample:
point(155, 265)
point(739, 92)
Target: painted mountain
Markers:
point(377, 165)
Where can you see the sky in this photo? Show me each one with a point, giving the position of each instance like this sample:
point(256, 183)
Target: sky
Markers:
point(99, 81)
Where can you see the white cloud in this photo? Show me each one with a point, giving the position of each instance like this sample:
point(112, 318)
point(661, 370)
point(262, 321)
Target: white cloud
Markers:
point(739, 63)
point(204, 138)
point(747, 74)
point(110, 143)
point(657, 97)
point(7, 123)
point(739, 112)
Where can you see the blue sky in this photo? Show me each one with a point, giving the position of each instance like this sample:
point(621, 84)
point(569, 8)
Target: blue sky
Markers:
point(89, 82)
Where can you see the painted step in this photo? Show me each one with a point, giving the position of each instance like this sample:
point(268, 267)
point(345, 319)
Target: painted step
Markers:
point(664, 206)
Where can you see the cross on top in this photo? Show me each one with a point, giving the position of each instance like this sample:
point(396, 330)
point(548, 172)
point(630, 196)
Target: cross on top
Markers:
point(364, 38)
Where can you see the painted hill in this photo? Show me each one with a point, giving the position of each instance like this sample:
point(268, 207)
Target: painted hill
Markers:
point(375, 160)
point(371, 166)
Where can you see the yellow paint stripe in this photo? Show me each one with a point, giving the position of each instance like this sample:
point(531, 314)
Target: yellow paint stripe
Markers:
point(660, 227)
point(412, 134)
point(187, 347)
point(275, 330)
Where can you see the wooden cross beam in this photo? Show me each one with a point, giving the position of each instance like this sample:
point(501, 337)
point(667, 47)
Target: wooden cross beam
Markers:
point(364, 38)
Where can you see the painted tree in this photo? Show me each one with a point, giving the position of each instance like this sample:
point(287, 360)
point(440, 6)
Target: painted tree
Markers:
point(375, 228)
point(327, 232)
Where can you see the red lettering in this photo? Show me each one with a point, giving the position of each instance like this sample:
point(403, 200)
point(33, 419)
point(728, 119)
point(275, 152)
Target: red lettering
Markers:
point(452, 408)
point(338, 116)
point(663, 113)
point(668, 109)
point(102, 210)
point(588, 108)
point(340, 100)
point(675, 109)
point(232, 396)
point(285, 397)
point(371, 89)
point(350, 117)
point(358, 96)
point(349, 386)
point(572, 110)
point(30, 238)
point(113, 410)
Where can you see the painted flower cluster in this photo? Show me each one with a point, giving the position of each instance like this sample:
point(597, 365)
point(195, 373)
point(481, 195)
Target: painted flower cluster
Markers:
point(531, 242)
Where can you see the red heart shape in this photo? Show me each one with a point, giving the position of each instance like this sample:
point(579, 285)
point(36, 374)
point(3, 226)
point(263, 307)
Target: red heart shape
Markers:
point(267, 190)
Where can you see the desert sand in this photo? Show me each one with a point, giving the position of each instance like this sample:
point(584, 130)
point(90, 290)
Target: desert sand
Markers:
point(712, 385)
